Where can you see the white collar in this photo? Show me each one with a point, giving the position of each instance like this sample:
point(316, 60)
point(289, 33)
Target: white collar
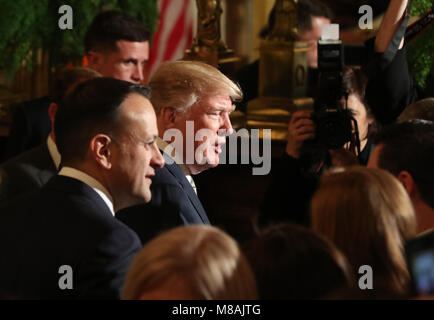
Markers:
point(54, 153)
point(91, 182)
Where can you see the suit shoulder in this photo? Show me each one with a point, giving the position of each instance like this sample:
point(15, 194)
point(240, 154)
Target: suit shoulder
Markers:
point(166, 176)
point(36, 157)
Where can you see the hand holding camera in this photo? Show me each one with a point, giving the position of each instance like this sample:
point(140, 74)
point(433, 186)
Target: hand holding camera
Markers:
point(300, 129)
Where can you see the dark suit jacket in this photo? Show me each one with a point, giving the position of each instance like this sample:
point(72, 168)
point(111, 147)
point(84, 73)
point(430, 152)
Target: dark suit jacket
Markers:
point(26, 173)
point(66, 223)
point(30, 127)
point(390, 87)
point(174, 203)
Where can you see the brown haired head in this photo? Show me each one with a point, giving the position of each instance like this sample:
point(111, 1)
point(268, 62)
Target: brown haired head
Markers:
point(368, 215)
point(292, 262)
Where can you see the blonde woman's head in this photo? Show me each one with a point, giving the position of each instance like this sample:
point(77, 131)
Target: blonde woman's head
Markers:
point(193, 262)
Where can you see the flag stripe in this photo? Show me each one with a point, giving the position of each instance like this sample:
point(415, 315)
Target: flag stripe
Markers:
point(174, 34)
point(156, 40)
point(177, 33)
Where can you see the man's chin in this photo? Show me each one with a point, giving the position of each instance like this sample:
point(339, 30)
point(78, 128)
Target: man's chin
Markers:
point(143, 198)
point(198, 168)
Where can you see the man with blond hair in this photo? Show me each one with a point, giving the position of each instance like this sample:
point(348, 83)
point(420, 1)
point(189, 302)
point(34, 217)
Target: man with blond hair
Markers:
point(192, 101)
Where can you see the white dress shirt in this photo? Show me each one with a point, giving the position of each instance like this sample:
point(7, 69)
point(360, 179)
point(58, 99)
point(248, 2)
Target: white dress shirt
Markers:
point(170, 151)
point(91, 182)
point(54, 153)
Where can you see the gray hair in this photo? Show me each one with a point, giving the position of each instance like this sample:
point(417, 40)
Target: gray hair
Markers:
point(181, 84)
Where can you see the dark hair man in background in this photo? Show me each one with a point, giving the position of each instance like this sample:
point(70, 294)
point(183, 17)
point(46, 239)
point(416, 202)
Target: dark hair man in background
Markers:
point(105, 131)
point(407, 151)
point(117, 46)
point(30, 170)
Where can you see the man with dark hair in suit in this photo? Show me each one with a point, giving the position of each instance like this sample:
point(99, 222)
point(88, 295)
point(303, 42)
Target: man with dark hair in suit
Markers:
point(30, 170)
point(117, 46)
point(105, 132)
point(190, 99)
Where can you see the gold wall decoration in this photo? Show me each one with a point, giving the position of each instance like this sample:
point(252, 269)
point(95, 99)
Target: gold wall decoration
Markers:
point(207, 45)
point(282, 74)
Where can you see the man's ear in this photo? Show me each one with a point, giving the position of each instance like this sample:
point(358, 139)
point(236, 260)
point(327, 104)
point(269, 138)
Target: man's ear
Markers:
point(168, 116)
point(52, 110)
point(408, 182)
point(95, 60)
point(100, 150)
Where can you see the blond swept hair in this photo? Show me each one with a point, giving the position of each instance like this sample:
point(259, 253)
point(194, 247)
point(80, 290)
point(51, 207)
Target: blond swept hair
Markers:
point(368, 215)
point(180, 84)
point(207, 262)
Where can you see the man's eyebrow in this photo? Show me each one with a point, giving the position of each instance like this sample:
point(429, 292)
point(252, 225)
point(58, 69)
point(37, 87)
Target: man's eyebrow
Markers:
point(130, 60)
point(221, 108)
point(151, 137)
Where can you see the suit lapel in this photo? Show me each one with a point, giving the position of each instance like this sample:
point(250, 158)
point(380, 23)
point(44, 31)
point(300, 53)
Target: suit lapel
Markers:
point(176, 171)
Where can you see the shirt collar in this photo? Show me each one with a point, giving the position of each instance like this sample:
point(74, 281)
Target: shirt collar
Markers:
point(54, 153)
point(91, 182)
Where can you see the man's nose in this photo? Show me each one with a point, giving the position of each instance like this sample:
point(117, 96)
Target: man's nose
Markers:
point(227, 125)
point(157, 160)
point(138, 74)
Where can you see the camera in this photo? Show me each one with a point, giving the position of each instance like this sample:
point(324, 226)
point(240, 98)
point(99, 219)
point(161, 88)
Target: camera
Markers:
point(334, 122)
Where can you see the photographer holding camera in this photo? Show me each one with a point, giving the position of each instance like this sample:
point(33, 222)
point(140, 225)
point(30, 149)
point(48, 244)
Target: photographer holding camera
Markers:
point(296, 174)
point(329, 136)
point(302, 126)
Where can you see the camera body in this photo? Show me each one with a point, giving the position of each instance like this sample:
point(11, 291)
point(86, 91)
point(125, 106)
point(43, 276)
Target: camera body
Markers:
point(334, 124)
point(333, 127)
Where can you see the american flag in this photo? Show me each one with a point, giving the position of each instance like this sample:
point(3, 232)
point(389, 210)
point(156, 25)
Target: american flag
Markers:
point(174, 33)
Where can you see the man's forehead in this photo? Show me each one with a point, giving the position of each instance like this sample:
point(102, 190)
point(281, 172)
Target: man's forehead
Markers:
point(216, 102)
point(131, 49)
point(315, 32)
point(135, 103)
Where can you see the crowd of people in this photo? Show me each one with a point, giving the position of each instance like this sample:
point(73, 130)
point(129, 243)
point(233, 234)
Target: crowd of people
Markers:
point(96, 183)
